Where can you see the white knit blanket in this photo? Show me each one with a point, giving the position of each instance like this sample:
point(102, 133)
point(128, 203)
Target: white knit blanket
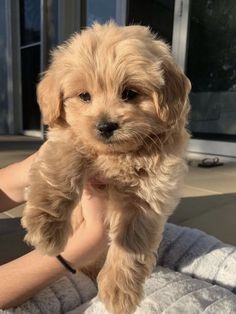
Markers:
point(196, 274)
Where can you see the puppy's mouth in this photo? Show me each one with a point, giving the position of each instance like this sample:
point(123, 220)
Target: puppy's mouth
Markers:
point(106, 132)
point(118, 137)
point(109, 139)
point(119, 141)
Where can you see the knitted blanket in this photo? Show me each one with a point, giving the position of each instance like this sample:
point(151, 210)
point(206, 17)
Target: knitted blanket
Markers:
point(196, 274)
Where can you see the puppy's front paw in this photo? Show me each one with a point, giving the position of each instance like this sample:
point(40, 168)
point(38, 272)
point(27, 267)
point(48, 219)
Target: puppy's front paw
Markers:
point(118, 293)
point(45, 232)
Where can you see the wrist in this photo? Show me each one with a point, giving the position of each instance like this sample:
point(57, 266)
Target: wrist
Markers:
point(66, 264)
point(85, 245)
point(71, 252)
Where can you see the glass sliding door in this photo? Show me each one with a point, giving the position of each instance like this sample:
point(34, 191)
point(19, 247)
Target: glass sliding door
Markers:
point(30, 19)
point(158, 14)
point(211, 67)
point(4, 98)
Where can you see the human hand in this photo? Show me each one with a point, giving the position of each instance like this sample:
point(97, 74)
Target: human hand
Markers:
point(89, 238)
point(13, 181)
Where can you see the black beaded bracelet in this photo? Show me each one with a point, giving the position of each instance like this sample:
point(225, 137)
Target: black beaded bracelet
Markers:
point(65, 264)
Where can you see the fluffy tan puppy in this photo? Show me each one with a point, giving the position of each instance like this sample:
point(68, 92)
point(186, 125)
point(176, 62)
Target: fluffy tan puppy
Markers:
point(116, 104)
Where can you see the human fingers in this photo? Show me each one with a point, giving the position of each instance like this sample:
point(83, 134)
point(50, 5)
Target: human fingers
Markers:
point(94, 204)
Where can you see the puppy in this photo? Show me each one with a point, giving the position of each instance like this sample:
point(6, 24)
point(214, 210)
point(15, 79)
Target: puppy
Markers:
point(116, 105)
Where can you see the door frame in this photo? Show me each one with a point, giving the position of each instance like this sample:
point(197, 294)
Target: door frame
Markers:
point(180, 32)
point(216, 148)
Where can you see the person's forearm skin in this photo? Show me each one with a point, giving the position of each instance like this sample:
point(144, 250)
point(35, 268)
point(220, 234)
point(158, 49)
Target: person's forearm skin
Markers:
point(13, 181)
point(25, 276)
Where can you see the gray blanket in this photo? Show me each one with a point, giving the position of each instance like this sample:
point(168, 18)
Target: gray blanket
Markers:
point(196, 273)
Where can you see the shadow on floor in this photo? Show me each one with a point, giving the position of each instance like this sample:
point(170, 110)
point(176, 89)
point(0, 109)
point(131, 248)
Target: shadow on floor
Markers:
point(15, 145)
point(214, 214)
point(11, 240)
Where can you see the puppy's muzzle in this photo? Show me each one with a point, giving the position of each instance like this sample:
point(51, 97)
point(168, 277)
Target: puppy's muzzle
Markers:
point(107, 128)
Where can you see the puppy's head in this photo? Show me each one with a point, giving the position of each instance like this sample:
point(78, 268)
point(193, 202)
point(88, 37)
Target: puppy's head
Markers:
point(117, 88)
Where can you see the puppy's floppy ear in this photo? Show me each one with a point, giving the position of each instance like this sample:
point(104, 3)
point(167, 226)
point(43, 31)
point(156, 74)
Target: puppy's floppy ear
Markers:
point(49, 98)
point(173, 105)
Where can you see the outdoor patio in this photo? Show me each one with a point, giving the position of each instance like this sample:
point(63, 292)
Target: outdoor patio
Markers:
point(209, 201)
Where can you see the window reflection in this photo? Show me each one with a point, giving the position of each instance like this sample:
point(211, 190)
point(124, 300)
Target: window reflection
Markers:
point(100, 11)
point(211, 67)
point(30, 16)
point(212, 46)
point(30, 21)
point(30, 64)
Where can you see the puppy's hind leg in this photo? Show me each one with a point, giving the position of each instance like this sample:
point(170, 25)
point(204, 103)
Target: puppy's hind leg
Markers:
point(135, 235)
point(55, 188)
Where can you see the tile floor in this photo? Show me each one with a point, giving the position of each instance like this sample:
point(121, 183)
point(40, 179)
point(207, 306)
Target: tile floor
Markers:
point(209, 201)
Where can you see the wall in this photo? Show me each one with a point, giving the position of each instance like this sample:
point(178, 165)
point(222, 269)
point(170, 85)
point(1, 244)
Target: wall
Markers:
point(3, 70)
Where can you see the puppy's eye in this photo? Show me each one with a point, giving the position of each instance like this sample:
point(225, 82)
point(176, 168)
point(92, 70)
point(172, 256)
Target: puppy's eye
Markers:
point(86, 97)
point(128, 95)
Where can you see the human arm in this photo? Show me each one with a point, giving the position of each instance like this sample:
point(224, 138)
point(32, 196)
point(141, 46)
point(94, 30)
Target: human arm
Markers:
point(13, 180)
point(24, 277)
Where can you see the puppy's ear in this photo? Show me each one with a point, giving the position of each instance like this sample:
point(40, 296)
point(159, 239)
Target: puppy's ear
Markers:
point(49, 98)
point(173, 105)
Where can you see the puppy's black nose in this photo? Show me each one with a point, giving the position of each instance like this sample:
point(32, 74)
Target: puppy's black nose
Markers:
point(106, 128)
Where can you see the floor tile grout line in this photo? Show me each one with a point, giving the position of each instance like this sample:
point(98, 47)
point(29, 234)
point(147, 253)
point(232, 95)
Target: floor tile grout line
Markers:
point(201, 189)
point(9, 215)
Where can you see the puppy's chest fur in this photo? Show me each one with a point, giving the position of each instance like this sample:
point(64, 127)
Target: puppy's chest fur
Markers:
point(122, 169)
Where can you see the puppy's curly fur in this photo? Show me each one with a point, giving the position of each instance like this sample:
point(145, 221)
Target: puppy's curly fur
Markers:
point(117, 105)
